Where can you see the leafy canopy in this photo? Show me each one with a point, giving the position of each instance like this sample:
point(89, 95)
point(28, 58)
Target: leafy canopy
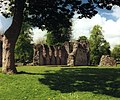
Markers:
point(58, 37)
point(55, 14)
point(98, 45)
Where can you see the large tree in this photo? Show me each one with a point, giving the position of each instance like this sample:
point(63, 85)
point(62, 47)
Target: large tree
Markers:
point(54, 14)
point(10, 38)
point(98, 45)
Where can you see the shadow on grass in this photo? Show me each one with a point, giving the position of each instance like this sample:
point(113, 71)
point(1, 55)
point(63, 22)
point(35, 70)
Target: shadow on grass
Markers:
point(100, 81)
point(28, 73)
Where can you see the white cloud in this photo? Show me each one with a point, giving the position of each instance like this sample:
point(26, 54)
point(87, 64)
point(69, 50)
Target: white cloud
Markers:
point(116, 11)
point(38, 35)
point(83, 26)
point(108, 20)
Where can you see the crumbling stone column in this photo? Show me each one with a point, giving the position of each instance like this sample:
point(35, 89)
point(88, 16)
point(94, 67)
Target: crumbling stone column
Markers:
point(36, 56)
point(47, 57)
point(70, 60)
point(68, 47)
point(64, 56)
point(106, 60)
point(79, 55)
point(71, 56)
point(57, 57)
point(52, 55)
point(0, 53)
point(41, 58)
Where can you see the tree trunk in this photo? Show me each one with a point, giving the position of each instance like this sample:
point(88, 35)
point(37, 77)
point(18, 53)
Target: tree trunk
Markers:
point(8, 62)
point(10, 37)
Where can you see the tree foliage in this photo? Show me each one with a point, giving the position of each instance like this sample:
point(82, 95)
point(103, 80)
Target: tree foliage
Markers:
point(55, 14)
point(83, 38)
point(116, 52)
point(98, 45)
point(46, 12)
point(24, 48)
point(55, 38)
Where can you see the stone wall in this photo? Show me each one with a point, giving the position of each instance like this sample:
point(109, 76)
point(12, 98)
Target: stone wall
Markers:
point(0, 53)
point(1, 50)
point(69, 54)
point(49, 55)
point(79, 55)
point(106, 60)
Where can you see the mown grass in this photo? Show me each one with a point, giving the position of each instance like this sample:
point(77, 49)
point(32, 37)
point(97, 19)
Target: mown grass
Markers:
point(61, 83)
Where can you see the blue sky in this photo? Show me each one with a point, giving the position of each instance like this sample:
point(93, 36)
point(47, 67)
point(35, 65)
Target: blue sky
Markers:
point(4, 23)
point(108, 20)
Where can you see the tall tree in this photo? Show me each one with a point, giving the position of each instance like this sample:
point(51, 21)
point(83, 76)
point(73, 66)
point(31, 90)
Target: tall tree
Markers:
point(98, 45)
point(10, 38)
point(54, 14)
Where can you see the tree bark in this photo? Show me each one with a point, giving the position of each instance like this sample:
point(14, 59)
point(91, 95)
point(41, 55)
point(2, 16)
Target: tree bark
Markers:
point(8, 62)
point(10, 38)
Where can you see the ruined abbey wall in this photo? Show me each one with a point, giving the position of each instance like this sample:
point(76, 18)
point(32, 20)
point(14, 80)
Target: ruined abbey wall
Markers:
point(71, 54)
point(0, 53)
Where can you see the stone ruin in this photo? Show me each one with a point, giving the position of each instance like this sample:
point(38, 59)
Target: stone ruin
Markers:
point(106, 60)
point(79, 54)
point(0, 51)
point(71, 54)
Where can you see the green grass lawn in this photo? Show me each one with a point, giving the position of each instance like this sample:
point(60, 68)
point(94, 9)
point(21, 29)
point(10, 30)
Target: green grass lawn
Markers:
point(61, 83)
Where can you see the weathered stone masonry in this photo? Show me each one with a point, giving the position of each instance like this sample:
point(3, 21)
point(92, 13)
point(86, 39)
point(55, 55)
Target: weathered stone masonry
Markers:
point(71, 54)
point(106, 60)
point(0, 50)
point(0, 53)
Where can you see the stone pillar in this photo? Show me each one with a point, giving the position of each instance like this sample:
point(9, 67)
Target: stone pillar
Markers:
point(44, 54)
point(41, 58)
point(70, 60)
point(36, 56)
point(0, 53)
point(47, 57)
point(52, 55)
point(57, 55)
point(64, 56)
point(81, 56)
point(67, 47)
